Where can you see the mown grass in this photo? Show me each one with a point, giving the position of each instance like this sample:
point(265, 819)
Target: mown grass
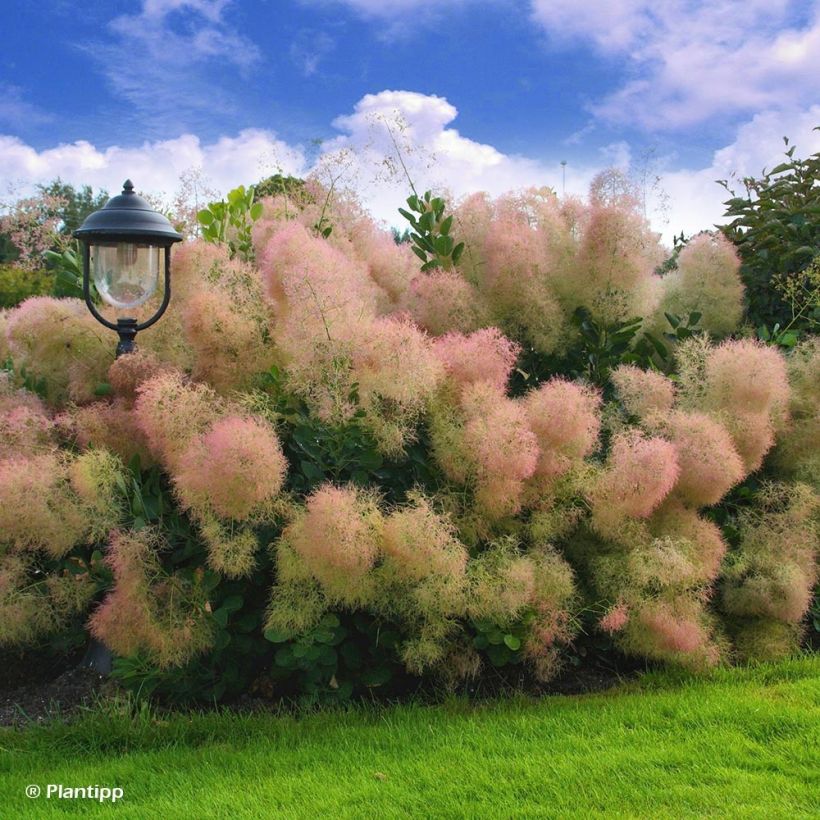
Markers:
point(742, 743)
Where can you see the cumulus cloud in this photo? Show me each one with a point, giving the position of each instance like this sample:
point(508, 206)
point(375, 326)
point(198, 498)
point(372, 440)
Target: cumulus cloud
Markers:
point(693, 60)
point(154, 166)
point(696, 200)
point(363, 157)
point(394, 127)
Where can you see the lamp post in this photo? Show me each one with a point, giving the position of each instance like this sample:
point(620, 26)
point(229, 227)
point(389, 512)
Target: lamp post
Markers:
point(126, 245)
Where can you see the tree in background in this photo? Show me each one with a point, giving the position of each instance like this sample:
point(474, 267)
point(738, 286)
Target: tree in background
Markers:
point(776, 229)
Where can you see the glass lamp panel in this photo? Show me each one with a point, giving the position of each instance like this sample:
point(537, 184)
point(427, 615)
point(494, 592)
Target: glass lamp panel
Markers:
point(126, 274)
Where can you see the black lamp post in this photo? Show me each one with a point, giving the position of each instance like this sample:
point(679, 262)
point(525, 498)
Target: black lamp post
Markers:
point(125, 244)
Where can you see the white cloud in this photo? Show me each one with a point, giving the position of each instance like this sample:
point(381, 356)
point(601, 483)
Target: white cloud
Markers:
point(166, 61)
point(696, 199)
point(153, 166)
point(437, 155)
point(391, 8)
point(14, 109)
point(693, 60)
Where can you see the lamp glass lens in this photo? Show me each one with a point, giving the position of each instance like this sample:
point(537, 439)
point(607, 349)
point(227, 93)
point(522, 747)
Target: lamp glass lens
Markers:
point(126, 274)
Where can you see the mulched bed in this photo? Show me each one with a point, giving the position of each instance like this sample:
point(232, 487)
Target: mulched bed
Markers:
point(46, 700)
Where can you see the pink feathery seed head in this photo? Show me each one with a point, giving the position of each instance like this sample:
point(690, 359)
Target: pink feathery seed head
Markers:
point(671, 631)
point(59, 341)
point(497, 434)
point(305, 275)
point(565, 418)
point(391, 266)
point(228, 345)
point(195, 262)
point(643, 392)
point(171, 411)
point(753, 436)
point(25, 426)
point(337, 537)
point(127, 373)
point(641, 473)
point(422, 543)
point(783, 593)
point(709, 548)
point(109, 426)
point(444, 301)
point(708, 281)
point(709, 463)
point(515, 253)
point(483, 356)
point(37, 509)
point(235, 466)
point(396, 360)
point(746, 376)
point(615, 619)
point(804, 377)
point(617, 251)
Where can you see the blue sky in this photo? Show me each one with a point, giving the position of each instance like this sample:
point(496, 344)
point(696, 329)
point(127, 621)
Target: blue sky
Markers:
point(493, 94)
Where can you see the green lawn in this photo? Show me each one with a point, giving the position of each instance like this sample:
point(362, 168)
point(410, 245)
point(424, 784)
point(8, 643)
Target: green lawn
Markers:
point(745, 743)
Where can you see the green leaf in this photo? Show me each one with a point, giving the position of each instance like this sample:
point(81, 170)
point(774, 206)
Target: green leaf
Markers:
point(457, 251)
point(221, 616)
point(256, 210)
point(512, 642)
point(445, 226)
point(103, 389)
point(311, 471)
point(284, 657)
point(232, 603)
point(277, 635)
point(204, 217)
point(420, 253)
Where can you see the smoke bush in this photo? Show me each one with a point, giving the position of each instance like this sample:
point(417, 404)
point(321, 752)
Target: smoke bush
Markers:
point(171, 411)
point(707, 281)
point(772, 574)
point(232, 468)
point(798, 452)
point(565, 420)
point(640, 473)
point(502, 447)
point(149, 610)
point(58, 340)
point(443, 301)
point(25, 426)
point(397, 373)
point(483, 356)
point(335, 342)
point(745, 375)
point(337, 539)
point(107, 425)
point(229, 346)
point(128, 373)
point(38, 510)
point(643, 392)
point(709, 463)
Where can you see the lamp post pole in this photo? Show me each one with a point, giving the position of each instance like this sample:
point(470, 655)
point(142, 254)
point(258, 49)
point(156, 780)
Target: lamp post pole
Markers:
point(125, 244)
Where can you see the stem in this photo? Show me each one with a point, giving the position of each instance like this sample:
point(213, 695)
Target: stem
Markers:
point(400, 158)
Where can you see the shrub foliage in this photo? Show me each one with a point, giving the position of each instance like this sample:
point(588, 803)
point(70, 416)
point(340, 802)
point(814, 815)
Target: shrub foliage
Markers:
point(339, 460)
